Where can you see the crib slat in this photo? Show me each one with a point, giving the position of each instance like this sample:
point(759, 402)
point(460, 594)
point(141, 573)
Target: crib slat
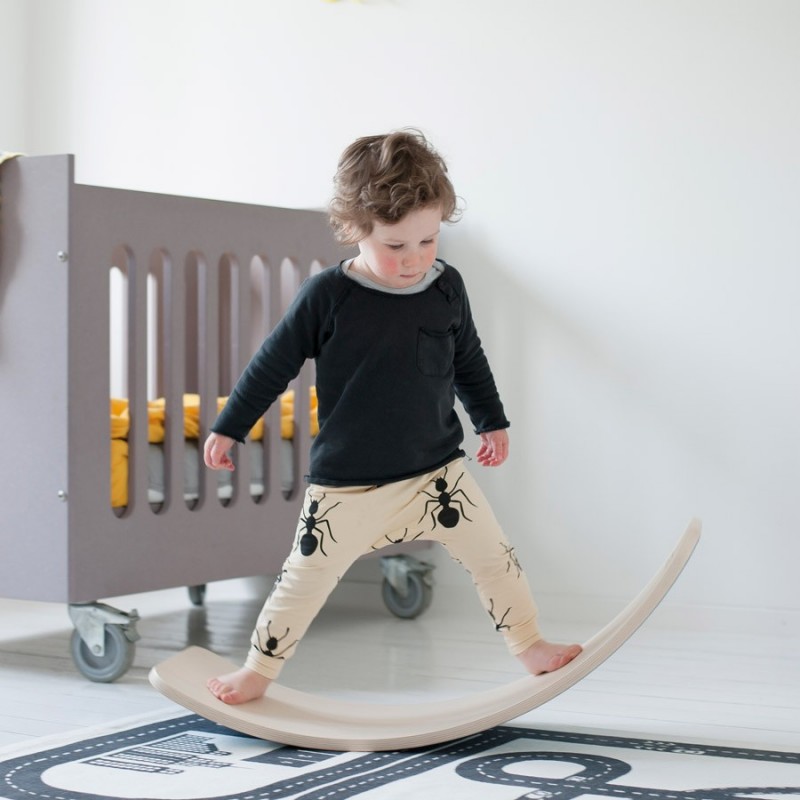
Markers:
point(208, 361)
point(173, 350)
point(137, 379)
point(243, 325)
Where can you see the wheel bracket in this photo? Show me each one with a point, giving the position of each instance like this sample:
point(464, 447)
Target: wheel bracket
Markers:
point(90, 620)
point(396, 570)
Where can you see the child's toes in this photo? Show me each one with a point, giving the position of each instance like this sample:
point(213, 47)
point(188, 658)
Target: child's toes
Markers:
point(563, 658)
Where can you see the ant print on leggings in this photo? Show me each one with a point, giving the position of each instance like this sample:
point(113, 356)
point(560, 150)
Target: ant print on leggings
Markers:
point(445, 504)
point(398, 540)
point(513, 561)
point(313, 521)
point(499, 625)
point(270, 647)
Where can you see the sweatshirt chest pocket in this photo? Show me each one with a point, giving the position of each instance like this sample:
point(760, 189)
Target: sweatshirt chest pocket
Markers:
point(435, 351)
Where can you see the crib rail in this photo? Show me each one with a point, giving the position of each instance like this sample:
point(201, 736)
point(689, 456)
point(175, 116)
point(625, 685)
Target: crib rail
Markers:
point(223, 273)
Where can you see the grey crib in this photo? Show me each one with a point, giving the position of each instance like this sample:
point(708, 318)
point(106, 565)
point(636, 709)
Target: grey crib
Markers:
point(219, 275)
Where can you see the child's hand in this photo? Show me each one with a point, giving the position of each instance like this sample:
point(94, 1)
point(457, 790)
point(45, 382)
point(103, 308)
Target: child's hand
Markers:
point(494, 448)
point(215, 452)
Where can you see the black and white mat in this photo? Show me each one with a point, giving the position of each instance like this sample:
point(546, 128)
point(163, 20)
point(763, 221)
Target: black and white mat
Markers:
point(189, 758)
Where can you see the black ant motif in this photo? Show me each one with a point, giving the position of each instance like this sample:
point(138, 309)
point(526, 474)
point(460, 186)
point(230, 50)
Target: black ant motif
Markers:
point(498, 626)
point(272, 644)
point(403, 538)
point(448, 515)
point(513, 561)
point(308, 541)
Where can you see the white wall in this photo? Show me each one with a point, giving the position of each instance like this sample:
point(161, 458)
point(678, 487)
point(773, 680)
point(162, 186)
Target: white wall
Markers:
point(14, 69)
point(631, 175)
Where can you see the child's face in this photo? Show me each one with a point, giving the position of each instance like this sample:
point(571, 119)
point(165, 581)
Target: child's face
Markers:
point(399, 255)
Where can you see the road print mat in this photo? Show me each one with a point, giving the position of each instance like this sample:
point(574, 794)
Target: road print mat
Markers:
point(189, 758)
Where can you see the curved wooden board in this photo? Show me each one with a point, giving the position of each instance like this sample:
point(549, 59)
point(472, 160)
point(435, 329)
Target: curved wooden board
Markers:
point(291, 717)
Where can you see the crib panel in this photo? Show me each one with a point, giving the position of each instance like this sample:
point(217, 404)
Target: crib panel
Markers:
point(142, 550)
point(79, 550)
point(34, 328)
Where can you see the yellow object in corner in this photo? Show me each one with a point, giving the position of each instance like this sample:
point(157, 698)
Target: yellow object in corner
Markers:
point(287, 414)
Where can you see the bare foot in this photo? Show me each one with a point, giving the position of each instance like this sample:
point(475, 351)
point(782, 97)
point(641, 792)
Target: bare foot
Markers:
point(238, 687)
point(543, 656)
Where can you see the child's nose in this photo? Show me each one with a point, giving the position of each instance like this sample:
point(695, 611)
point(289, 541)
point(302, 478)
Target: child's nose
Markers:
point(411, 259)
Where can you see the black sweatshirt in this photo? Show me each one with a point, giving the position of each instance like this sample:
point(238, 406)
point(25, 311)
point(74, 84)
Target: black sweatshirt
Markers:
point(388, 369)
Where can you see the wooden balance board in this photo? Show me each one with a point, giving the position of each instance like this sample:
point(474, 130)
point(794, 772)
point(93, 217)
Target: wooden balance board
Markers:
point(292, 717)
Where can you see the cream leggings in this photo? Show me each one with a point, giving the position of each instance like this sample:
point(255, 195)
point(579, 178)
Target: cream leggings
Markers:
point(339, 524)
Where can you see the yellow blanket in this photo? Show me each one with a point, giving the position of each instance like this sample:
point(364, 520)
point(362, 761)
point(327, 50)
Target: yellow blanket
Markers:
point(156, 415)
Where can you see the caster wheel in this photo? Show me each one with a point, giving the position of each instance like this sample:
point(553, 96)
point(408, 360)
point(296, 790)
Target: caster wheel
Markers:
point(197, 594)
point(115, 662)
point(417, 599)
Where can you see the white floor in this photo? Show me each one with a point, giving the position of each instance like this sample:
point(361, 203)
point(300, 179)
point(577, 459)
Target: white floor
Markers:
point(666, 684)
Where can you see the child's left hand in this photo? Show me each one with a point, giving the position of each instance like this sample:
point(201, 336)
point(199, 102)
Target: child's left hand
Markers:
point(494, 448)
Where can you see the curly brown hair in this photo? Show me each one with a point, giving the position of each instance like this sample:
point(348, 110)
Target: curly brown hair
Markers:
point(384, 178)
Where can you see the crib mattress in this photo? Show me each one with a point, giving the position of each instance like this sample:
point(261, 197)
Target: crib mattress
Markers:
point(192, 461)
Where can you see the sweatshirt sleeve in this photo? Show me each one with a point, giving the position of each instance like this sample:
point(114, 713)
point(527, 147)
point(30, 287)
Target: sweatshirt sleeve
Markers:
point(474, 382)
point(296, 338)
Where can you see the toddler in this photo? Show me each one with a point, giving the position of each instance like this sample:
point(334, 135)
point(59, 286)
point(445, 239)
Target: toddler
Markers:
point(394, 342)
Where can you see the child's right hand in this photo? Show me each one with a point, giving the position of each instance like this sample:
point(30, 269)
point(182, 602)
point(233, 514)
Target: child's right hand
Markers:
point(215, 452)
